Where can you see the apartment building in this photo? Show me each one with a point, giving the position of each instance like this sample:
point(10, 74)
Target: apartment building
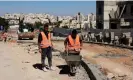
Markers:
point(114, 14)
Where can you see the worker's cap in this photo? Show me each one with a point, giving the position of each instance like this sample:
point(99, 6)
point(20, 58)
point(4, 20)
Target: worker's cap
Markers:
point(46, 25)
point(74, 31)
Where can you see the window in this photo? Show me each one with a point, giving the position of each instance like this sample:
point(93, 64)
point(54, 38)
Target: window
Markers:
point(99, 25)
point(113, 26)
point(132, 10)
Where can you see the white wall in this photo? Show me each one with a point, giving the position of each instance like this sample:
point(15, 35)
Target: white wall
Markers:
point(108, 6)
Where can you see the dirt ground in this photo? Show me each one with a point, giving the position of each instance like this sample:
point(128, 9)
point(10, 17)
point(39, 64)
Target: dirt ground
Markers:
point(117, 61)
point(17, 64)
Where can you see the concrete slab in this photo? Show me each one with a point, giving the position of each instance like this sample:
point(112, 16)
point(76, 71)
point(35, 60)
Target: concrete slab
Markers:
point(93, 71)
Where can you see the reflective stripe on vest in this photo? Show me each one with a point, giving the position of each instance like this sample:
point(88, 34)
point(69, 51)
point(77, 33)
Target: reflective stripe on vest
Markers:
point(46, 42)
point(73, 45)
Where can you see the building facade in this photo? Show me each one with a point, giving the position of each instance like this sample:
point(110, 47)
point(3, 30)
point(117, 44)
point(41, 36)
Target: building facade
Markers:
point(114, 14)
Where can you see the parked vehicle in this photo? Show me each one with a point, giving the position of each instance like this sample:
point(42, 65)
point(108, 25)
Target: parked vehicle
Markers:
point(25, 32)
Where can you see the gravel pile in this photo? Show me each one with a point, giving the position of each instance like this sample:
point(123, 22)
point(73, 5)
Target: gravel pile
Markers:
point(30, 48)
point(81, 74)
point(112, 76)
point(111, 55)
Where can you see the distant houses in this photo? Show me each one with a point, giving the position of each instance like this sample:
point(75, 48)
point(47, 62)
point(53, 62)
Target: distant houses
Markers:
point(77, 21)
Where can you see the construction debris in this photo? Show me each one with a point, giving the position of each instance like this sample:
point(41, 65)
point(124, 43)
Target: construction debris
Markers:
point(110, 75)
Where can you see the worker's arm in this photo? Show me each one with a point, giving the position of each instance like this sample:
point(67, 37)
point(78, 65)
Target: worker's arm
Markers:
point(65, 43)
point(39, 41)
point(81, 42)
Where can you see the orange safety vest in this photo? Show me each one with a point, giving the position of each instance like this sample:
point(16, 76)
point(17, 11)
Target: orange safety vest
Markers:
point(74, 45)
point(46, 42)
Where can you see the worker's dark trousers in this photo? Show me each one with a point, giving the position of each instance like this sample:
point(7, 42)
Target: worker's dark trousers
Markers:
point(46, 52)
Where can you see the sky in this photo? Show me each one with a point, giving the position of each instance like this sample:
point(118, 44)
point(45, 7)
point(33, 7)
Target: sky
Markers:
point(58, 8)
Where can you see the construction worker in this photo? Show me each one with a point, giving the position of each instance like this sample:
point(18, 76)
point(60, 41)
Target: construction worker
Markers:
point(45, 47)
point(4, 36)
point(73, 43)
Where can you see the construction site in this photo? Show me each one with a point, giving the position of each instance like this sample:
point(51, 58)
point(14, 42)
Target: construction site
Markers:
point(107, 51)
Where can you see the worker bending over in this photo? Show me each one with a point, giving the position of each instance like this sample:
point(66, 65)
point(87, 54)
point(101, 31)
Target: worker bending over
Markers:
point(73, 43)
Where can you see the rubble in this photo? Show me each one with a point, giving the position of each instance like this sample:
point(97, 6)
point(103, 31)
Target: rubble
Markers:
point(56, 54)
point(111, 55)
point(25, 62)
point(110, 75)
point(81, 74)
point(111, 38)
point(30, 48)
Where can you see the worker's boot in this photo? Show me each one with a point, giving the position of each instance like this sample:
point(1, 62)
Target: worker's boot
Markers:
point(45, 69)
point(52, 68)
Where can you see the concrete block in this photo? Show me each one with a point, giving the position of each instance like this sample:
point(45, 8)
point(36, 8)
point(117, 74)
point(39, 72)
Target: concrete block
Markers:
point(110, 75)
point(128, 34)
point(116, 38)
point(130, 41)
point(112, 35)
point(92, 35)
point(107, 34)
point(93, 71)
point(101, 35)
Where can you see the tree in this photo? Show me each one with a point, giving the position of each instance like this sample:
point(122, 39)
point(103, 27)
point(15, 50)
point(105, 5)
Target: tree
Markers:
point(38, 25)
point(4, 23)
point(58, 23)
point(70, 21)
point(21, 25)
point(30, 27)
point(66, 27)
point(21, 21)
